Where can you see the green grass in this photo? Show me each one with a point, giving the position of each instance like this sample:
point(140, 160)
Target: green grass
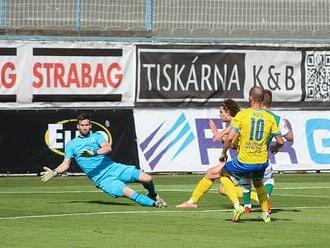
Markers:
point(70, 212)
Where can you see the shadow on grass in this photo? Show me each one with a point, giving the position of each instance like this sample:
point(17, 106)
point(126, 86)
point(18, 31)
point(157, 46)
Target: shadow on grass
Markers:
point(277, 210)
point(274, 219)
point(258, 220)
point(104, 203)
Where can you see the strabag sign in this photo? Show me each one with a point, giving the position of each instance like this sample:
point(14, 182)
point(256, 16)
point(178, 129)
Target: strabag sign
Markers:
point(199, 75)
point(66, 74)
point(80, 74)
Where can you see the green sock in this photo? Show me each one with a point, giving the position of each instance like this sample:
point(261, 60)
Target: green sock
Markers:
point(269, 189)
point(246, 198)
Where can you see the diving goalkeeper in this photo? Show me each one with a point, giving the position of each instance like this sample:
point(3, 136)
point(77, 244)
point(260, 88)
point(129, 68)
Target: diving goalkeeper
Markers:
point(90, 151)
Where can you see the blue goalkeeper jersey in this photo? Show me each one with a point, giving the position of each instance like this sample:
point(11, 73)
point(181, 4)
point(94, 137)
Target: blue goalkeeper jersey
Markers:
point(94, 167)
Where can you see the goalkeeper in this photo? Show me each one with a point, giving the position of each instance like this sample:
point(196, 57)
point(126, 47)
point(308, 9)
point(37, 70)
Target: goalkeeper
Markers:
point(90, 152)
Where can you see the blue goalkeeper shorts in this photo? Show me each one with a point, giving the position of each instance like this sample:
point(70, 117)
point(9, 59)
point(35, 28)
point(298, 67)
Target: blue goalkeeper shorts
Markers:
point(239, 170)
point(114, 181)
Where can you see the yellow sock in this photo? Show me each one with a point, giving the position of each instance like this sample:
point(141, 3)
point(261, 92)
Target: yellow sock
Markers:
point(230, 189)
point(239, 191)
point(254, 196)
point(263, 199)
point(201, 188)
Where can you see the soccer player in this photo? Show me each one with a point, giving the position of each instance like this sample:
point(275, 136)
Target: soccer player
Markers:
point(90, 151)
point(254, 127)
point(240, 190)
point(268, 179)
point(227, 111)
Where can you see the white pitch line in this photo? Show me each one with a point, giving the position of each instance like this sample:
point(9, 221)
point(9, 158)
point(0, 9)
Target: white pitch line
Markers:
point(160, 190)
point(143, 212)
point(305, 187)
point(312, 196)
point(110, 212)
point(51, 192)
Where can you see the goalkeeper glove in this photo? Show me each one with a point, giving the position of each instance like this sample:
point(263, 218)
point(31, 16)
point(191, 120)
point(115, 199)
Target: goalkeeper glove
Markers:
point(88, 153)
point(47, 174)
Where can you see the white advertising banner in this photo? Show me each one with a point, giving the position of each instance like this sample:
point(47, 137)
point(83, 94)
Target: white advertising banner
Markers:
point(179, 140)
point(67, 74)
point(9, 81)
point(279, 71)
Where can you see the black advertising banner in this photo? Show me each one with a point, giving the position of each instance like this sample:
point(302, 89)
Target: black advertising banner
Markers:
point(31, 139)
point(189, 75)
point(205, 75)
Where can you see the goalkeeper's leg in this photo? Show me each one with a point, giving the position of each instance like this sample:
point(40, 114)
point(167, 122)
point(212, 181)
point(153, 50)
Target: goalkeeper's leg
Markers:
point(117, 188)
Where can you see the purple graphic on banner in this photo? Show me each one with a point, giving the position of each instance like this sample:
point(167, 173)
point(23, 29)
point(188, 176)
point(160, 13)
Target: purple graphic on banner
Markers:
point(169, 138)
point(286, 148)
point(208, 143)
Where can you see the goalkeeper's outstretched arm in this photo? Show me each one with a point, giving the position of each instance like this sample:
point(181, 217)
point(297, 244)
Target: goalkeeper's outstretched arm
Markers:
point(48, 174)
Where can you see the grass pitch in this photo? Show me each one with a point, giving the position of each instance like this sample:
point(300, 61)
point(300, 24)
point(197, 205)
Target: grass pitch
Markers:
point(70, 212)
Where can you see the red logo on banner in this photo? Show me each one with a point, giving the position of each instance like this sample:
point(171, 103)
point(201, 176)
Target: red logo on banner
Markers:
point(8, 75)
point(59, 75)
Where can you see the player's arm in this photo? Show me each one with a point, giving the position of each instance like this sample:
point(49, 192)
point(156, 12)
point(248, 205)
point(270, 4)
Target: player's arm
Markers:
point(289, 135)
point(48, 173)
point(276, 132)
point(227, 144)
point(234, 144)
point(218, 135)
point(105, 148)
point(279, 143)
point(222, 135)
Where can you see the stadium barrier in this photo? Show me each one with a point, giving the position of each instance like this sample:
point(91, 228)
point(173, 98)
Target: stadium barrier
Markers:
point(173, 90)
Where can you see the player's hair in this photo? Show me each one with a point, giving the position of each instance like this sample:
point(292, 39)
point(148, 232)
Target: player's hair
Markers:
point(83, 116)
point(231, 106)
point(268, 96)
point(256, 94)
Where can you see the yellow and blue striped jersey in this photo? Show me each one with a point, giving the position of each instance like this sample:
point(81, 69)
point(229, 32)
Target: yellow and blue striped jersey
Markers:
point(255, 128)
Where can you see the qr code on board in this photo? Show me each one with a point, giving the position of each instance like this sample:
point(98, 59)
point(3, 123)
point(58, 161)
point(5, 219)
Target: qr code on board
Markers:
point(318, 76)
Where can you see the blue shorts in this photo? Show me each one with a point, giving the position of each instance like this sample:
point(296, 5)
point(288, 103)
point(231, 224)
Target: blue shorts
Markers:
point(239, 170)
point(113, 182)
